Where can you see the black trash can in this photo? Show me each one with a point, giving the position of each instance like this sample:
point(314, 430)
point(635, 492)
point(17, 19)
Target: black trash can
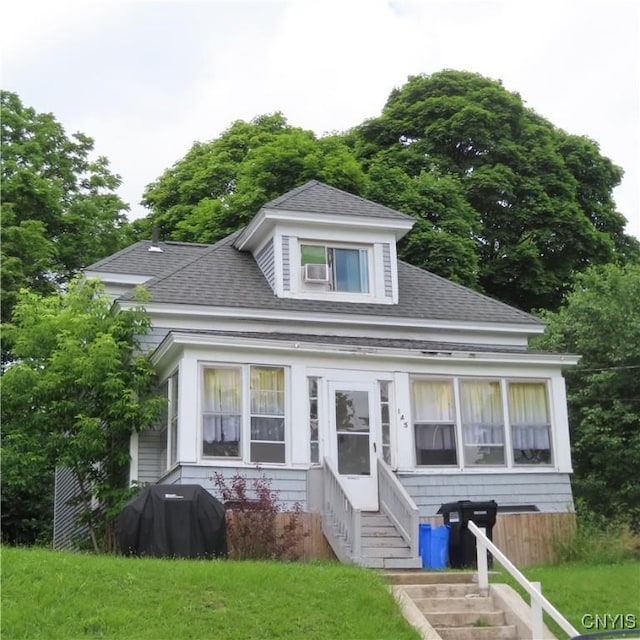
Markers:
point(462, 543)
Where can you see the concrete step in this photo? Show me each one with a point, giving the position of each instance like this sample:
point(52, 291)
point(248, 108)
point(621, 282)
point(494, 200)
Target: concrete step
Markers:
point(403, 563)
point(440, 590)
point(467, 618)
point(471, 602)
point(425, 576)
point(506, 632)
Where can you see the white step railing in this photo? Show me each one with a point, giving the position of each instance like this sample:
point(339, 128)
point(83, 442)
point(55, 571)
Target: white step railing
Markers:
point(538, 601)
point(339, 510)
point(397, 504)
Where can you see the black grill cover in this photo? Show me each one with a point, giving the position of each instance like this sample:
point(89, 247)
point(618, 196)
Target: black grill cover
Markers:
point(172, 521)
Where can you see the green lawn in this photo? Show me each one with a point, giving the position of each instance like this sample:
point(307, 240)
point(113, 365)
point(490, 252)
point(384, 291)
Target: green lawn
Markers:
point(577, 589)
point(53, 595)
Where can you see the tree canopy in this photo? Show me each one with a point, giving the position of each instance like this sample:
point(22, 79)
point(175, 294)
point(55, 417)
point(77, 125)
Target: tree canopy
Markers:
point(542, 198)
point(60, 210)
point(79, 388)
point(504, 201)
point(219, 185)
point(600, 320)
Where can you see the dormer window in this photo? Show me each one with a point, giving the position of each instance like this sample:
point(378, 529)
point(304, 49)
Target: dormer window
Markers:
point(334, 268)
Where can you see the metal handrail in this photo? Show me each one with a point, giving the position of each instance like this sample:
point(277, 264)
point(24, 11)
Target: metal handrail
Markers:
point(538, 601)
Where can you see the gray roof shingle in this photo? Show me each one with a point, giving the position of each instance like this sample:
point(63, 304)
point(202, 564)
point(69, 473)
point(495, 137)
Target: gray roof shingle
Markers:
point(317, 197)
point(222, 276)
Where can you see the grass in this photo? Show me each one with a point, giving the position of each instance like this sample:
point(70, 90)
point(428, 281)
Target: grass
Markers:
point(580, 588)
point(58, 595)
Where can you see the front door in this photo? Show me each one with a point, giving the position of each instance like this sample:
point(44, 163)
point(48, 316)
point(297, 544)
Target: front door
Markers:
point(354, 429)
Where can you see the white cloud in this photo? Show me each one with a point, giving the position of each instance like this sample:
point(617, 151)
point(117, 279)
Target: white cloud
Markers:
point(146, 79)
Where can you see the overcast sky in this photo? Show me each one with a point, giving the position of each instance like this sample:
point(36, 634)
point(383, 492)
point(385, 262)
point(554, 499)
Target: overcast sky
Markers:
point(145, 79)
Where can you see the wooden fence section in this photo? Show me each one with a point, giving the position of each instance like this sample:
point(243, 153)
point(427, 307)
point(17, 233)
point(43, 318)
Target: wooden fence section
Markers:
point(527, 538)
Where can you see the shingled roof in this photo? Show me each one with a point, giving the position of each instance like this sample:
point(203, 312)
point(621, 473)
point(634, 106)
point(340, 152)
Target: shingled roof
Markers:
point(317, 197)
point(214, 275)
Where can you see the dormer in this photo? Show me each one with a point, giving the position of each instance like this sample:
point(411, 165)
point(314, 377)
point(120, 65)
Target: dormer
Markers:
point(317, 242)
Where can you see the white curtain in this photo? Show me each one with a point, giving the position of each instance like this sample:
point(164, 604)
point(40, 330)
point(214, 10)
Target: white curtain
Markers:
point(481, 410)
point(529, 414)
point(222, 390)
point(267, 391)
point(433, 401)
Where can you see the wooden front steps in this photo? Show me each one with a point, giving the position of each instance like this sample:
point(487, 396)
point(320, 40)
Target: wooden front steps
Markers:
point(382, 546)
point(451, 606)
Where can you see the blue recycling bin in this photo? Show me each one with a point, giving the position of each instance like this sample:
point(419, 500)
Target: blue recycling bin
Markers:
point(433, 545)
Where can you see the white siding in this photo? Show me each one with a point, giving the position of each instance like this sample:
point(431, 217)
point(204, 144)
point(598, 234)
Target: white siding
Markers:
point(286, 264)
point(388, 277)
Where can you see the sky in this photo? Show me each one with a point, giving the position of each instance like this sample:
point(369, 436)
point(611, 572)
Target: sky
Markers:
point(147, 78)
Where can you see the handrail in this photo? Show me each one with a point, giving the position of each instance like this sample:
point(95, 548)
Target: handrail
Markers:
point(339, 507)
point(398, 505)
point(538, 601)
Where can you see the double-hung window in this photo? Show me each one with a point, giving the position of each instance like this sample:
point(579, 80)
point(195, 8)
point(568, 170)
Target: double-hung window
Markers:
point(341, 268)
point(246, 400)
point(482, 422)
point(434, 422)
point(530, 424)
point(267, 414)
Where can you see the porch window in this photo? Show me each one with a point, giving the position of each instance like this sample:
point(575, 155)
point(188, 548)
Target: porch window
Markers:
point(346, 269)
point(530, 424)
point(267, 414)
point(173, 419)
point(385, 422)
point(482, 422)
point(434, 422)
point(222, 416)
point(314, 442)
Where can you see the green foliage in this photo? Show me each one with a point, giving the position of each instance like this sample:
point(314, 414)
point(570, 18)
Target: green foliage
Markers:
point(60, 211)
point(220, 185)
point(600, 320)
point(60, 595)
point(537, 202)
point(597, 540)
point(76, 393)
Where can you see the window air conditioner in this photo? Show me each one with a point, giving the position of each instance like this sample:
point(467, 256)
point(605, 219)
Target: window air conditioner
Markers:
point(316, 273)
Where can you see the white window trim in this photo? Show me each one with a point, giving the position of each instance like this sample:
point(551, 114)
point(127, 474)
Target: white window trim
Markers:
point(244, 459)
point(509, 466)
point(298, 289)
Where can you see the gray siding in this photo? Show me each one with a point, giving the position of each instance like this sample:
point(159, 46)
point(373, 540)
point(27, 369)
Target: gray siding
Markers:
point(286, 264)
point(152, 446)
point(549, 492)
point(66, 532)
point(388, 281)
point(266, 261)
point(289, 484)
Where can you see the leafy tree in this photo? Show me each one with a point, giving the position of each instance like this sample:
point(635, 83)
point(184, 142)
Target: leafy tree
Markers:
point(219, 185)
point(78, 390)
point(60, 211)
point(540, 200)
point(600, 320)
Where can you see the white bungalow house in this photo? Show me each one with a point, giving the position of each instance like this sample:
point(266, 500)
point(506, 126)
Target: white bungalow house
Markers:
point(359, 383)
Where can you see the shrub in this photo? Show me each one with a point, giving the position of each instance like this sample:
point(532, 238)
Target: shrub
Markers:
point(257, 528)
point(597, 540)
